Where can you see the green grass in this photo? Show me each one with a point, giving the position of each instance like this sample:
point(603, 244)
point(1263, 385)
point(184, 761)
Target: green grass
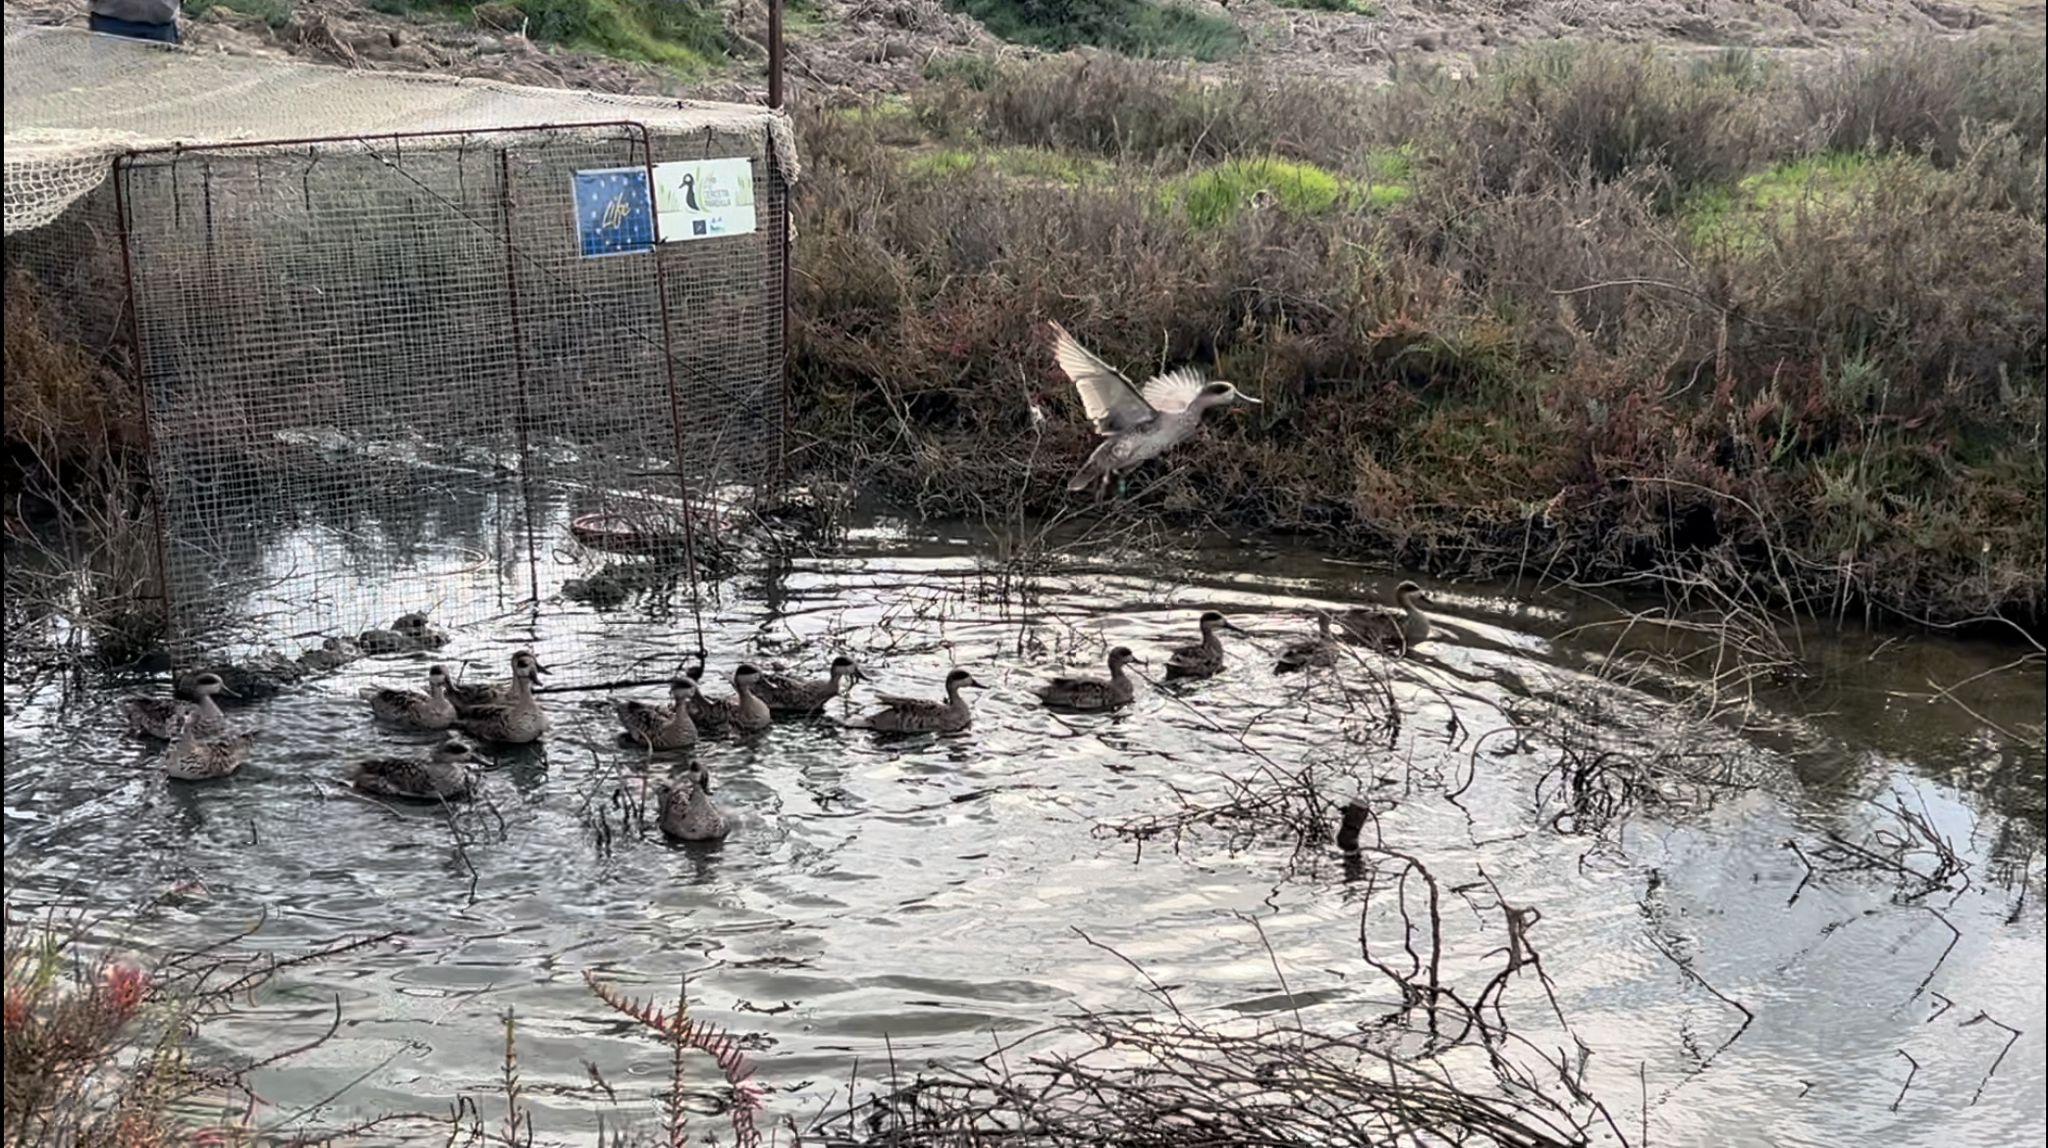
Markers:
point(1021, 162)
point(1133, 27)
point(975, 73)
point(271, 12)
point(1741, 216)
point(1213, 197)
point(687, 36)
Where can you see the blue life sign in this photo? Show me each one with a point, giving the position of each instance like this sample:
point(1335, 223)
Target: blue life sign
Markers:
point(614, 213)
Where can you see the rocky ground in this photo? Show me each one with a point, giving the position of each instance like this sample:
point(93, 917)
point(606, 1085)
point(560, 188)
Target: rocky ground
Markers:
point(882, 46)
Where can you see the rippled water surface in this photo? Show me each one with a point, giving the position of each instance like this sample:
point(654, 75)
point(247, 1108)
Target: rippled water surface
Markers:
point(918, 900)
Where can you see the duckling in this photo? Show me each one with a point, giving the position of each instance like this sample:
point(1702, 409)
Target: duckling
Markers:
point(430, 710)
point(419, 632)
point(1320, 650)
point(786, 694)
point(689, 815)
point(382, 642)
point(518, 720)
point(194, 760)
point(1388, 632)
point(482, 695)
point(919, 715)
point(1081, 693)
point(1203, 659)
point(662, 727)
point(332, 654)
point(167, 718)
point(447, 774)
point(744, 710)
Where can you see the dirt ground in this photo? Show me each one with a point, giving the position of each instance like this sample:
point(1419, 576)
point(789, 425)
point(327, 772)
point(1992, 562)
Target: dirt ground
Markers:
point(882, 46)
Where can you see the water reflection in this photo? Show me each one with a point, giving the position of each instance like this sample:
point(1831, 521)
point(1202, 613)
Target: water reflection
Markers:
point(929, 888)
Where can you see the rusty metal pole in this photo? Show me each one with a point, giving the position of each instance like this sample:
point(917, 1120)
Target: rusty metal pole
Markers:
point(775, 53)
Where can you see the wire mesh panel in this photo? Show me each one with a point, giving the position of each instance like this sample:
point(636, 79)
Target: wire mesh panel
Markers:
point(387, 376)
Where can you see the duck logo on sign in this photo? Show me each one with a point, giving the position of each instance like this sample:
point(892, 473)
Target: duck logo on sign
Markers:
point(704, 199)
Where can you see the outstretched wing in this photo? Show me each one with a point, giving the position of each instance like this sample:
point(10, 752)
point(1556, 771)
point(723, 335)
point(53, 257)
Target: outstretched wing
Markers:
point(1171, 392)
point(1111, 401)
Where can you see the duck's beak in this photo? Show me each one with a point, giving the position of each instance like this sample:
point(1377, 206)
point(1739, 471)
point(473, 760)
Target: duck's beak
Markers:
point(224, 689)
point(1230, 625)
point(539, 669)
point(1245, 398)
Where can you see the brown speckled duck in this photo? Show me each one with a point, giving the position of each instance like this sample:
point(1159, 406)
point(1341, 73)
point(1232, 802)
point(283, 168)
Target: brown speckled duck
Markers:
point(921, 715)
point(1204, 658)
point(1391, 633)
point(662, 727)
point(1086, 693)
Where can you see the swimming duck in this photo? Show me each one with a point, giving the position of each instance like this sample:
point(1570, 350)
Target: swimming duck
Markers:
point(689, 815)
point(1392, 633)
point(658, 726)
point(1204, 658)
point(478, 695)
point(1135, 425)
point(1083, 693)
point(264, 676)
point(784, 693)
point(167, 718)
point(744, 710)
point(517, 720)
point(1320, 650)
point(194, 760)
point(447, 774)
point(430, 710)
point(919, 715)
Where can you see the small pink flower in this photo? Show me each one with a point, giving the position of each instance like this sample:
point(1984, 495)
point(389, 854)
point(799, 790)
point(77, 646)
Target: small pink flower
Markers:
point(126, 987)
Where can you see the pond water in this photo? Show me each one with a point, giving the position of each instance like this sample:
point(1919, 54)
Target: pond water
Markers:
point(914, 901)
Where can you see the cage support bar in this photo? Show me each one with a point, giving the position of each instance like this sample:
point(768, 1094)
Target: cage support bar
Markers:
point(519, 370)
point(161, 526)
point(675, 396)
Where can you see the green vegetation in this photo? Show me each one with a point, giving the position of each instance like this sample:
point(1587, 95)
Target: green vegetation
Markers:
point(1597, 310)
point(1018, 162)
point(1159, 28)
point(1772, 198)
point(272, 12)
point(1215, 196)
point(975, 73)
point(684, 35)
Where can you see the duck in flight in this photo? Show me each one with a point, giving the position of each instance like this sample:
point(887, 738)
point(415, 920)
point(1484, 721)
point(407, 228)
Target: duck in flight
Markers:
point(1136, 424)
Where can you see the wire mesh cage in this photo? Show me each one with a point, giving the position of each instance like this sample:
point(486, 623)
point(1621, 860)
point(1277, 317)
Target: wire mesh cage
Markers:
point(386, 376)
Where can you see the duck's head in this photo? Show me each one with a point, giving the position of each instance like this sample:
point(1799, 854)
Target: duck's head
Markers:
point(410, 623)
point(525, 665)
point(700, 778)
point(695, 673)
point(1121, 657)
point(1222, 394)
point(437, 677)
point(207, 685)
point(452, 751)
point(745, 676)
point(960, 680)
point(1408, 593)
point(682, 689)
point(845, 667)
point(1214, 620)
